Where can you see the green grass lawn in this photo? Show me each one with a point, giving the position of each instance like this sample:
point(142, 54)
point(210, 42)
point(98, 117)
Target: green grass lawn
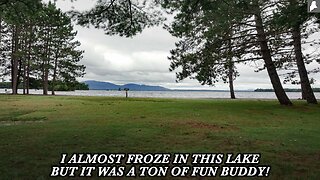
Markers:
point(35, 130)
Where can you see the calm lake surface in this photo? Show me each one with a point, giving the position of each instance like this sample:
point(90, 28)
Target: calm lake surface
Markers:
point(171, 94)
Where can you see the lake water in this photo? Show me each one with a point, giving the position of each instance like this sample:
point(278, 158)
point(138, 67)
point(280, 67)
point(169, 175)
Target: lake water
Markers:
point(171, 94)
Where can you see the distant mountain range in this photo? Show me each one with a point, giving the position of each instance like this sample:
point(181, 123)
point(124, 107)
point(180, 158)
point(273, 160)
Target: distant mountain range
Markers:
point(98, 85)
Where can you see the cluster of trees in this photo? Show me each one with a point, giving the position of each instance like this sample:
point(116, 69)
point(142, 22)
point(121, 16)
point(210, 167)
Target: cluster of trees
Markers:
point(37, 44)
point(215, 35)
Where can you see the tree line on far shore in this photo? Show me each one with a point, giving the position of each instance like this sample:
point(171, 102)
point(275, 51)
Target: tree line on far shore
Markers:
point(286, 89)
point(38, 47)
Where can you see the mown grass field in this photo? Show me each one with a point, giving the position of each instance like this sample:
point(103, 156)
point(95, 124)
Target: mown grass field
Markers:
point(35, 130)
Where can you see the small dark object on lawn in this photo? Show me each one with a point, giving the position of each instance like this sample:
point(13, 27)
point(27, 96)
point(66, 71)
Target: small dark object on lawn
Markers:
point(126, 89)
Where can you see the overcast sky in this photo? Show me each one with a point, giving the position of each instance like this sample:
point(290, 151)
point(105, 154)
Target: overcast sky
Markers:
point(143, 58)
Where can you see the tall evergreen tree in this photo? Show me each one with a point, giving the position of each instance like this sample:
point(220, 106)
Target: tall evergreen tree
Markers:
point(292, 17)
point(58, 50)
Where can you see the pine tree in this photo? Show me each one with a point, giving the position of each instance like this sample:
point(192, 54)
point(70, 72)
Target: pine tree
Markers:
point(292, 17)
point(58, 50)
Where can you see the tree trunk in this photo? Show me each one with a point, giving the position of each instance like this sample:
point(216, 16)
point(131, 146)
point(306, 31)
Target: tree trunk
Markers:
point(19, 72)
point(24, 78)
point(303, 92)
point(29, 56)
point(25, 64)
point(45, 78)
point(28, 62)
point(46, 66)
point(231, 69)
point(54, 73)
point(266, 55)
point(305, 83)
point(28, 76)
point(15, 61)
point(231, 73)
